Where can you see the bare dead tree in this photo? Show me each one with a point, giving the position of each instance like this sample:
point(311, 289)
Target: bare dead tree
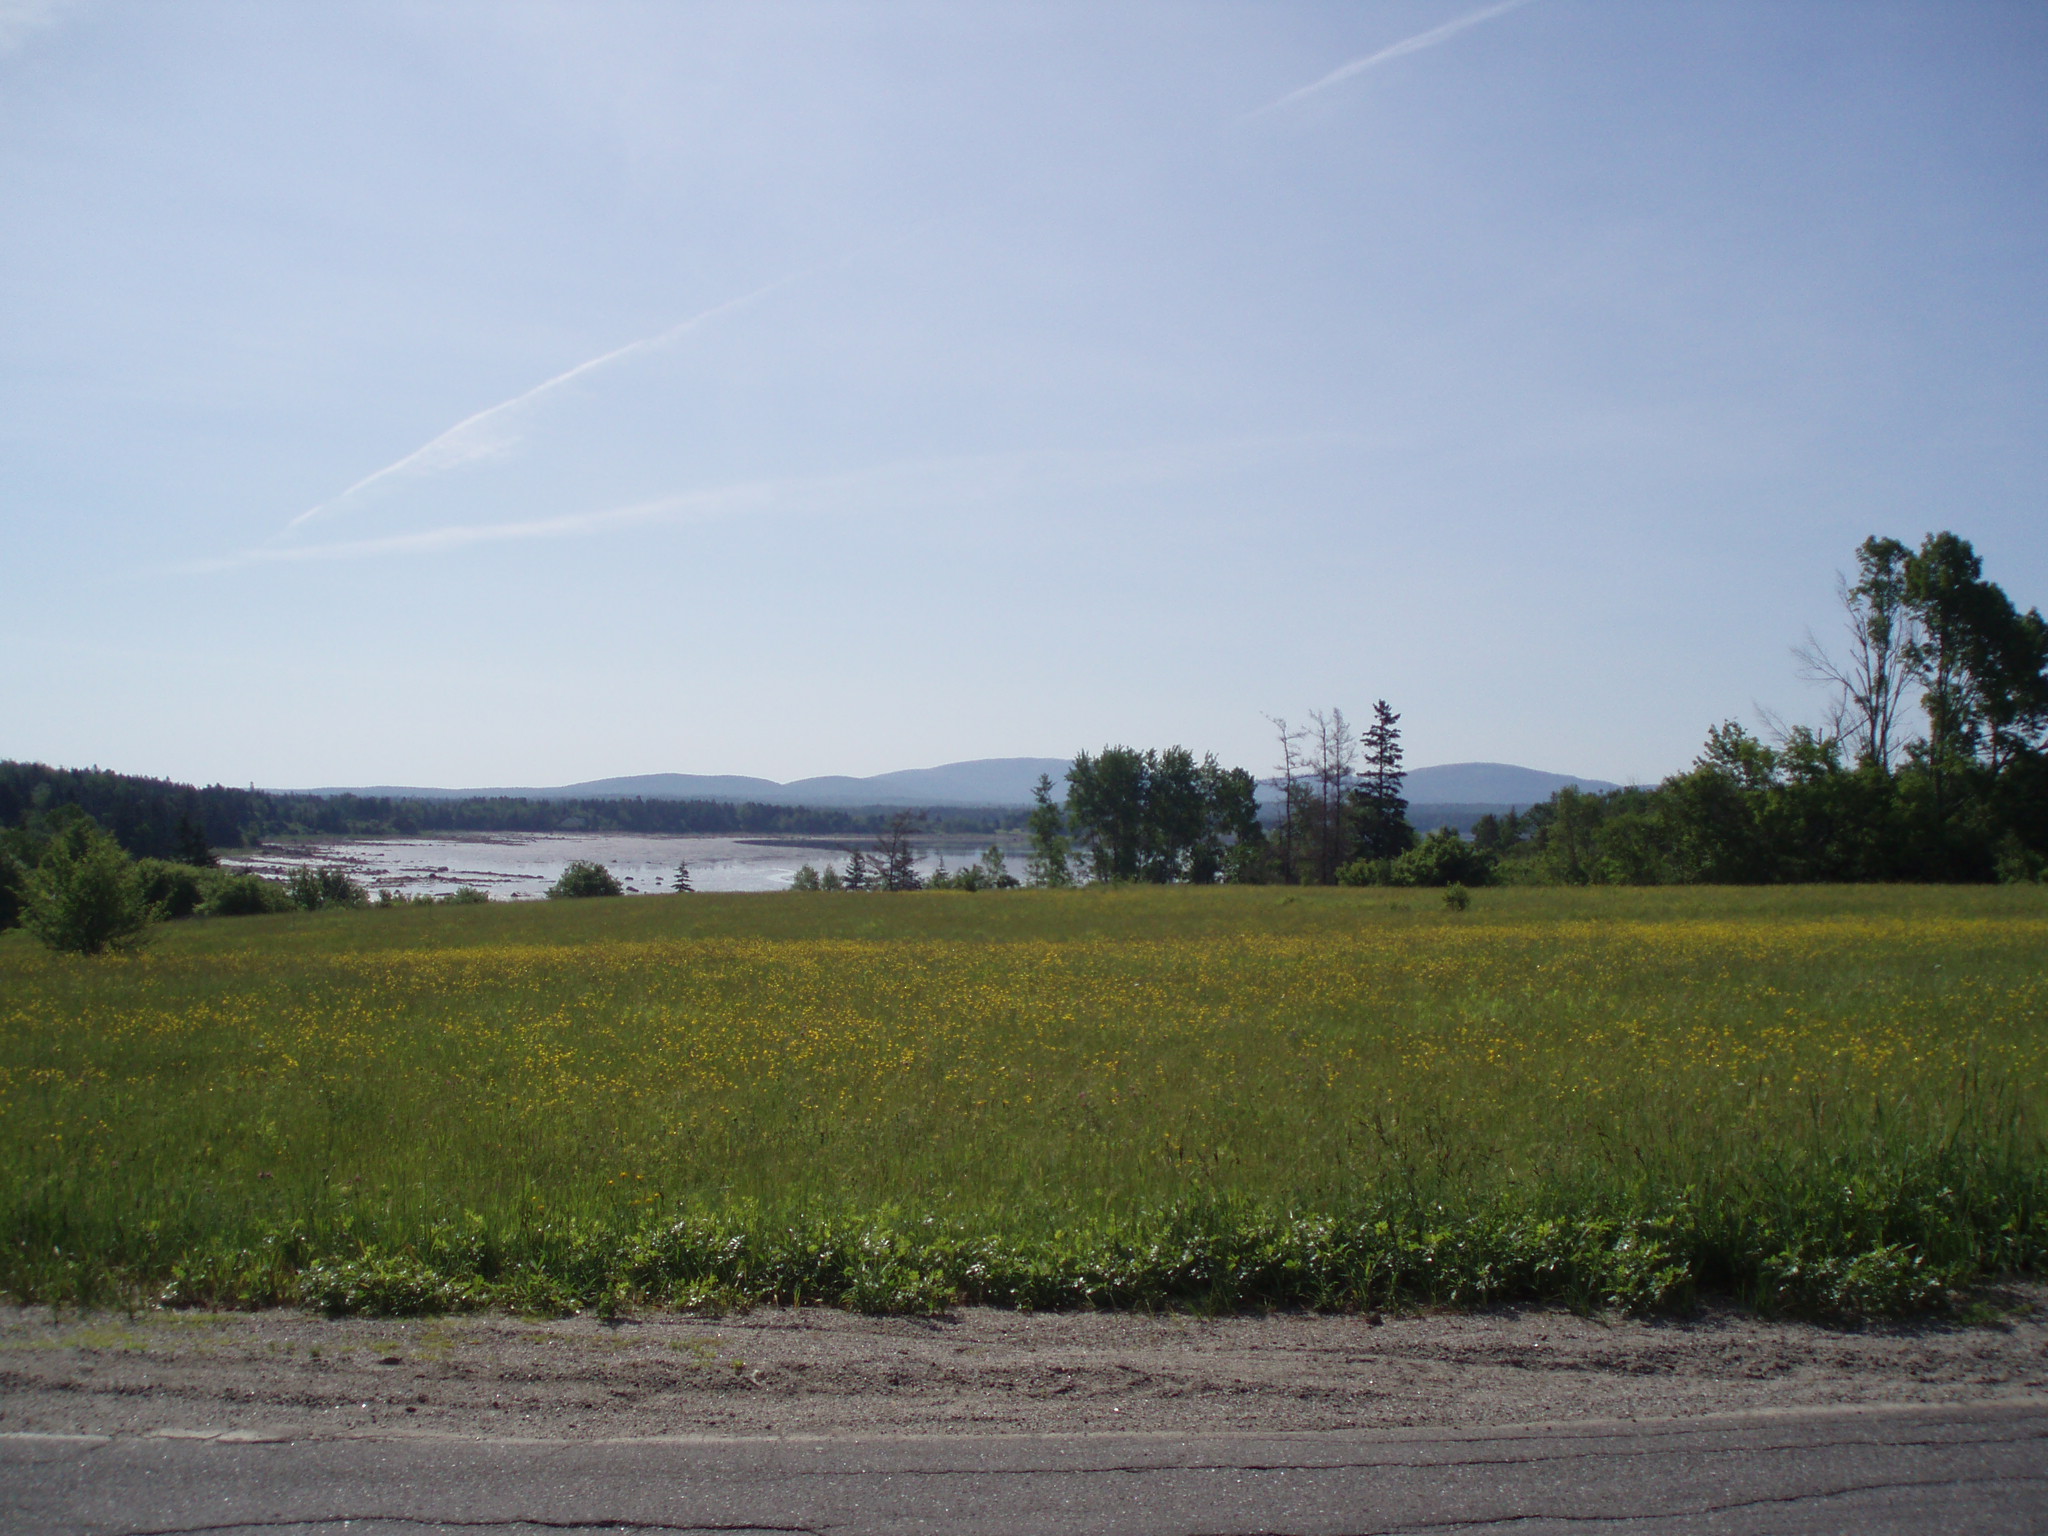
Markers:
point(1287, 780)
point(1873, 681)
point(1331, 771)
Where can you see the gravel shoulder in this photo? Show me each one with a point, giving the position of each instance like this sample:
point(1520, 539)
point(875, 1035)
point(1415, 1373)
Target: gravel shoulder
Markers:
point(975, 1372)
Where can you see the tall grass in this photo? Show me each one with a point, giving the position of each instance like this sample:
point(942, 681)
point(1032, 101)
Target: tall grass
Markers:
point(1819, 1101)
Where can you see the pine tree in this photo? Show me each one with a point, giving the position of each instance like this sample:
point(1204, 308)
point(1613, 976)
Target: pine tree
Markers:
point(683, 877)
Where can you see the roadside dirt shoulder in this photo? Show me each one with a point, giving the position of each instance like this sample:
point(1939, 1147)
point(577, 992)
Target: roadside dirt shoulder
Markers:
point(974, 1372)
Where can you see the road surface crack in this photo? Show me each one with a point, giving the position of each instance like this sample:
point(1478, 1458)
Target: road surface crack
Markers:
point(1496, 1522)
point(597, 1523)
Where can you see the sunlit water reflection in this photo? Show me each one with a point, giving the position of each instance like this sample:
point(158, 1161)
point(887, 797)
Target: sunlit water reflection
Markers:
point(522, 865)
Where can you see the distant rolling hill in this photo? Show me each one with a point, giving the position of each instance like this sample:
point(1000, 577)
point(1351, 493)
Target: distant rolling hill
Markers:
point(983, 781)
point(1490, 784)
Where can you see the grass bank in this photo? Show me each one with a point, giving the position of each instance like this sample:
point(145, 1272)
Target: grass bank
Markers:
point(1820, 1100)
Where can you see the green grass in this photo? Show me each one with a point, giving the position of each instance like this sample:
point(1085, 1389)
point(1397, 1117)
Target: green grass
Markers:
point(1817, 1100)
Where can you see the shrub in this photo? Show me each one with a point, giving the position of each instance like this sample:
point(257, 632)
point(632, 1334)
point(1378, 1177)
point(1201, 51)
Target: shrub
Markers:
point(1442, 858)
point(2017, 863)
point(85, 896)
point(1367, 872)
point(1249, 863)
point(1457, 898)
point(462, 896)
point(244, 896)
point(312, 889)
point(583, 878)
point(805, 879)
point(170, 890)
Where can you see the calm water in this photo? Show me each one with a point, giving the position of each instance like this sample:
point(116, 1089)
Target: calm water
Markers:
point(522, 865)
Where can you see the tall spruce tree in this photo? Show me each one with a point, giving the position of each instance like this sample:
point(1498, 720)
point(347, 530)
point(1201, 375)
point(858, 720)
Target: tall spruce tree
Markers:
point(1379, 806)
point(859, 873)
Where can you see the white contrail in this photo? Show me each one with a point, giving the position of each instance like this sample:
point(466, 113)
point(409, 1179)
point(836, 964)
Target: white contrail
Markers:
point(949, 481)
point(1415, 44)
point(426, 540)
point(461, 442)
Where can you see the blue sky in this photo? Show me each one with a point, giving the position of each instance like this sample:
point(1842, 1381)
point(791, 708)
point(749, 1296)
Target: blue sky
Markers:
point(521, 393)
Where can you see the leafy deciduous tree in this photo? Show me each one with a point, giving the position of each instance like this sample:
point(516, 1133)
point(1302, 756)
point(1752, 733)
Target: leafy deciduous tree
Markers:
point(583, 877)
point(84, 896)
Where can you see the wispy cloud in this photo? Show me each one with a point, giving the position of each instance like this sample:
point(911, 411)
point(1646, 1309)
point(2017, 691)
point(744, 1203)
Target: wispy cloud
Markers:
point(488, 431)
point(1415, 44)
point(896, 486)
point(20, 19)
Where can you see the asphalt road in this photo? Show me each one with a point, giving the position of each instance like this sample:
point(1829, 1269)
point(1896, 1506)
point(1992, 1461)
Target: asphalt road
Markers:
point(1950, 1469)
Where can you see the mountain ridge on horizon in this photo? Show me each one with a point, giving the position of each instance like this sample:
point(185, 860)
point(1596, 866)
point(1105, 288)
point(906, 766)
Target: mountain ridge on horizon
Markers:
point(978, 781)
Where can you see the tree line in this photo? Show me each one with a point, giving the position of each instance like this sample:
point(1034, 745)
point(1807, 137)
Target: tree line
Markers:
point(1134, 815)
point(1930, 764)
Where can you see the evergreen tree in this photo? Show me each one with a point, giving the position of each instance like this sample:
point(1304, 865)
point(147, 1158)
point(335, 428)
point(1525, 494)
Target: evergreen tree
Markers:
point(1379, 806)
point(682, 885)
point(192, 845)
point(859, 876)
point(895, 853)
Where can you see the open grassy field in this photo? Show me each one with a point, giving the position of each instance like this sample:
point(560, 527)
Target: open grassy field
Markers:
point(1823, 1100)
